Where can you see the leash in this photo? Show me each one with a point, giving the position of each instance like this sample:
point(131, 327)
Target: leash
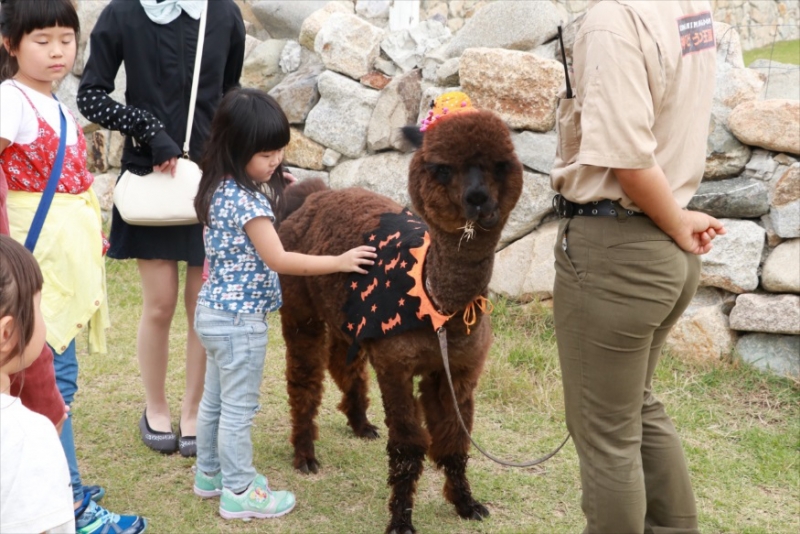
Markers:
point(442, 333)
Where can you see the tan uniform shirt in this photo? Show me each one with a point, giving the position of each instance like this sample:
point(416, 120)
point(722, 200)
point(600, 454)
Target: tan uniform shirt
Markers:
point(643, 81)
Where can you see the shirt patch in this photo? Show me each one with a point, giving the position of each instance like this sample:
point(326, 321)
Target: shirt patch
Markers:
point(697, 32)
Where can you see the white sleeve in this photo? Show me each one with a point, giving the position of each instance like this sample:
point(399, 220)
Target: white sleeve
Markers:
point(11, 106)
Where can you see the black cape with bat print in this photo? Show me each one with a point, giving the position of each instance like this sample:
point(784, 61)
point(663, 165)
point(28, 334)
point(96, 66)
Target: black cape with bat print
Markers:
point(382, 302)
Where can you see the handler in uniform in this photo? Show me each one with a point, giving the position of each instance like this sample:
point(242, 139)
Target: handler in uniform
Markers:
point(632, 146)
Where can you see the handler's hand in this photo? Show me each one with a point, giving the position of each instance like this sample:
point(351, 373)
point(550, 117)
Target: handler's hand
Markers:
point(697, 231)
point(168, 166)
point(290, 178)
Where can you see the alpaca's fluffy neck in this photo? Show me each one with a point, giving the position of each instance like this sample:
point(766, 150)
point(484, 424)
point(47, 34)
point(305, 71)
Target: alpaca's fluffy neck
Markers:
point(455, 276)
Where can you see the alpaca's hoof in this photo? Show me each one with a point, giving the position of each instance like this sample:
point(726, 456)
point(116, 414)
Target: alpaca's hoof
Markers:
point(369, 431)
point(474, 511)
point(309, 466)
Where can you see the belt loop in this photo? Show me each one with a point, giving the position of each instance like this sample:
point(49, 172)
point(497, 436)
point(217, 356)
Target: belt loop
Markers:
point(622, 214)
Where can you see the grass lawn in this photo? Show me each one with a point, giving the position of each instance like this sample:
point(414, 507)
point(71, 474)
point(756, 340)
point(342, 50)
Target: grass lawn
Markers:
point(783, 52)
point(740, 431)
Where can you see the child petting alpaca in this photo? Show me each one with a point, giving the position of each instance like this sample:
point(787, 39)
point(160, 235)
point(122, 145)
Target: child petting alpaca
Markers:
point(240, 192)
point(39, 47)
point(35, 491)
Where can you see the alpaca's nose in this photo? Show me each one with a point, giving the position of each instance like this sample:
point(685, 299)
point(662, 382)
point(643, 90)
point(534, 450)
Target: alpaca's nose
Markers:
point(477, 198)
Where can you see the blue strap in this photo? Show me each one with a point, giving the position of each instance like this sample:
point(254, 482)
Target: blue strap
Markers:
point(50, 189)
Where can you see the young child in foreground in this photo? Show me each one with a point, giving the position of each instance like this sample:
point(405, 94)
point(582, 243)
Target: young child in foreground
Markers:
point(239, 194)
point(35, 489)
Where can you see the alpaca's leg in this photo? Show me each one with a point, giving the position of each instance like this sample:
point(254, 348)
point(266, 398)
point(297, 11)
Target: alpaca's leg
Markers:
point(406, 447)
point(449, 444)
point(305, 371)
point(353, 381)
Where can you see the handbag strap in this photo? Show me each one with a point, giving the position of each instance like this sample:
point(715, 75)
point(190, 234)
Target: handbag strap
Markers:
point(50, 189)
point(198, 58)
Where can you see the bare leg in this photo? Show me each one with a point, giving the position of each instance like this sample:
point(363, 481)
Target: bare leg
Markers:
point(195, 355)
point(159, 296)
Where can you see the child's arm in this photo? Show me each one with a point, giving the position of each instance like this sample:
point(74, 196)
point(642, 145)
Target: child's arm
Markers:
point(263, 235)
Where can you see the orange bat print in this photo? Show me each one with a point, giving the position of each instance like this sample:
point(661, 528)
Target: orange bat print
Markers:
point(391, 323)
point(367, 292)
point(361, 325)
point(391, 265)
point(389, 238)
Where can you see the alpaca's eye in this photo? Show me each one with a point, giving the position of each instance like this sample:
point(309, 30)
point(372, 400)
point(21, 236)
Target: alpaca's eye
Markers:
point(442, 173)
point(501, 170)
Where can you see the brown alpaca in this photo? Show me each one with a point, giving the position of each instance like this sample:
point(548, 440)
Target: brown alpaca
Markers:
point(464, 171)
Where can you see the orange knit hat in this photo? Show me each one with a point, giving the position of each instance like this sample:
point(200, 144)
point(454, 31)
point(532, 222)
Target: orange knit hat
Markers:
point(447, 105)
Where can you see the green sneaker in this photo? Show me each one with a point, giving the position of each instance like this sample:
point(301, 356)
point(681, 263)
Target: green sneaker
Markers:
point(257, 501)
point(207, 486)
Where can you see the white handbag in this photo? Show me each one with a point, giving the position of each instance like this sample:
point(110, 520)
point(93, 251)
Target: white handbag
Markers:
point(158, 198)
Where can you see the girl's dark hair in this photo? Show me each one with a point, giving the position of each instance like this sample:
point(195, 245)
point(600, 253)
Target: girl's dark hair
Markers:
point(18, 18)
point(248, 121)
point(20, 280)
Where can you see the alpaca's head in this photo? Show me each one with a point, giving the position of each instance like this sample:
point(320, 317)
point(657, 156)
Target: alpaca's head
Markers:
point(464, 170)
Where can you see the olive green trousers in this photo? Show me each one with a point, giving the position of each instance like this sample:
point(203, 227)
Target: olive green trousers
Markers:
point(621, 284)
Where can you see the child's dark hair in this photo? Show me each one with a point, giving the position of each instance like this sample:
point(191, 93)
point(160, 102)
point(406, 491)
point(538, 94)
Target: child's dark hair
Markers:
point(20, 280)
point(18, 18)
point(248, 121)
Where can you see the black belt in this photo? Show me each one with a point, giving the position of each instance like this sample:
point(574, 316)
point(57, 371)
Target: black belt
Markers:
point(599, 208)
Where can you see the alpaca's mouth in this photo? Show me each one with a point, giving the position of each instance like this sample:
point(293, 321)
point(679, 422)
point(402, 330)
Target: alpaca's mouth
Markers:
point(488, 220)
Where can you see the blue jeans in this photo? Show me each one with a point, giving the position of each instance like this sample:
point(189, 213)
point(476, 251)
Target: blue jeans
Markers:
point(66, 367)
point(236, 346)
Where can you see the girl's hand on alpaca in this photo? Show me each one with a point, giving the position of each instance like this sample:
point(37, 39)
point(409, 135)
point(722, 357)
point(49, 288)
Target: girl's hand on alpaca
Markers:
point(290, 178)
point(352, 260)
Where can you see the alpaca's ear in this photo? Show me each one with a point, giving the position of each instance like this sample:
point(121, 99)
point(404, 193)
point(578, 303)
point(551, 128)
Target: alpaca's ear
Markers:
point(413, 135)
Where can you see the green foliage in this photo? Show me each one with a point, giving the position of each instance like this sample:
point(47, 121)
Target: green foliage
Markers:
point(740, 430)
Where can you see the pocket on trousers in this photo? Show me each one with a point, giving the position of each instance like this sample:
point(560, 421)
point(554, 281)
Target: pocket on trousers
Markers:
point(257, 337)
point(564, 261)
point(219, 347)
point(650, 250)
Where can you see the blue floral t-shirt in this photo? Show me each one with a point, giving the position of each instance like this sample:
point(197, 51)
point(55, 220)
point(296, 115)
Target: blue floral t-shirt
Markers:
point(238, 279)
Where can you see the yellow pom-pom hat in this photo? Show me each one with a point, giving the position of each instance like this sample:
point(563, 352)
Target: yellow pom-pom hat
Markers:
point(447, 105)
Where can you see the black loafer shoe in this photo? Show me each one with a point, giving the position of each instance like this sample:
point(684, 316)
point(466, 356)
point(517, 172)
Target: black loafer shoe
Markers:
point(163, 442)
point(187, 445)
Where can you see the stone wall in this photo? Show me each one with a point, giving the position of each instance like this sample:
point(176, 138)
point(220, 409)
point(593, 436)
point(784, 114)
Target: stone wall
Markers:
point(348, 83)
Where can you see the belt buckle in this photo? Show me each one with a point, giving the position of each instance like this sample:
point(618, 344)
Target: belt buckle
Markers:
point(563, 207)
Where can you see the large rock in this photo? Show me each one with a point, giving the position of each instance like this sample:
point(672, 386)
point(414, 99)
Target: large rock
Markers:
point(261, 69)
point(508, 24)
point(785, 210)
point(733, 261)
point(536, 150)
point(783, 79)
point(771, 314)
point(524, 270)
point(771, 124)
point(305, 174)
point(103, 186)
point(297, 93)
point(348, 44)
point(385, 174)
point(735, 197)
point(313, 23)
point(534, 204)
point(407, 48)
point(519, 86)
point(778, 354)
point(702, 332)
point(341, 118)
point(282, 19)
point(303, 152)
point(781, 271)
point(397, 107)
point(726, 156)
